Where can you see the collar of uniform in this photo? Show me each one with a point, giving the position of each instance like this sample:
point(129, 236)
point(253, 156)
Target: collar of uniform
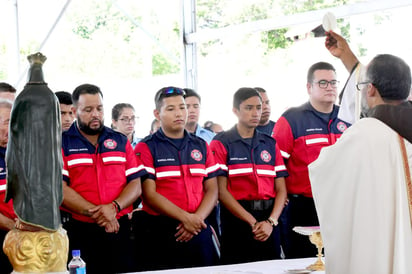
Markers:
point(74, 131)
point(161, 135)
point(205, 134)
point(234, 136)
point(309, 107)
point(2, 152)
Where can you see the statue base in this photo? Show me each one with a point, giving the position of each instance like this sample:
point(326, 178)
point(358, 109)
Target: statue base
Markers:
point(39, 251)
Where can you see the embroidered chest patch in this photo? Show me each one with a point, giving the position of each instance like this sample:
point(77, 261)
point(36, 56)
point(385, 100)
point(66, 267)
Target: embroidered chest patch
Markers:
point(196, 155)
point(265, 156)
point(110, 144)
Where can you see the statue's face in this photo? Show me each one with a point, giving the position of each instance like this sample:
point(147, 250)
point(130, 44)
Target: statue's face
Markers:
point(4, 125)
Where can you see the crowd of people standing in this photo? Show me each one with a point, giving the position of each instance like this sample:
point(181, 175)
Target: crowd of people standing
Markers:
point(185, 196)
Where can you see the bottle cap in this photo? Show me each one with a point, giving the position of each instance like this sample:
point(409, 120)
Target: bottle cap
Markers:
point(76, 253)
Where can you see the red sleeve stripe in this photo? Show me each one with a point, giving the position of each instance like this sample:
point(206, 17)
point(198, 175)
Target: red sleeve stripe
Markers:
point(65, 172)
point(266, 172)
point(223, 167)
point(285, 154)
point(317, 141)
point(241, 171)
point(168, 174)
point(134, 170)
point(280, 168)
point(150, 170)
point(2, 187)
point(212, 168)
point(114, 159)
point(80, 161)
point(198, 171)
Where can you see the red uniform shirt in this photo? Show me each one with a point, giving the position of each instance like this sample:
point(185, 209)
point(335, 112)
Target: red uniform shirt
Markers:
point(99, 174)
point(301, 133)
point(178, 172)
point(251, 168)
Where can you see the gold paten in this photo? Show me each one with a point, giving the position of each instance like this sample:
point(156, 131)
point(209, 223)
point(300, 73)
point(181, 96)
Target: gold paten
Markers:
point(37, 252)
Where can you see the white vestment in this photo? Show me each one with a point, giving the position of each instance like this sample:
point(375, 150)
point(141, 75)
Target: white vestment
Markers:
point(360, 194)
point(349, 109)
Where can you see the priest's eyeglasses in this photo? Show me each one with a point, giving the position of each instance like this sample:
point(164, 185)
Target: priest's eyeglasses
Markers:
point(325, 83)
point(359, 86)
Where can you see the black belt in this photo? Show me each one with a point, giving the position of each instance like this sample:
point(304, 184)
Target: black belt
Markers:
point(298, 196)
point(257, 204)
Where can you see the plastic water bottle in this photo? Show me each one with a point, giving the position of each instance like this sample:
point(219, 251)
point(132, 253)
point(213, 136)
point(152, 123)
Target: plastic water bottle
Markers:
point(77, 265)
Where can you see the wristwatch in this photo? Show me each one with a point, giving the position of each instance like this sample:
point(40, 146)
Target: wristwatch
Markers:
point(272, 221)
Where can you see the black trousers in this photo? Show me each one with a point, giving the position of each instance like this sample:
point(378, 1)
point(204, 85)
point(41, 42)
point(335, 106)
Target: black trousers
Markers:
point(5, 266)
point(156, 245)
point(238, 244)
point(102, 252)
point(300, 211)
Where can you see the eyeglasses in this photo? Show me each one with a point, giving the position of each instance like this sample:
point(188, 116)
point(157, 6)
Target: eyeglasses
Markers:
point(128, 120)
point(169, 91)
point(325, 83)
point(360, 85)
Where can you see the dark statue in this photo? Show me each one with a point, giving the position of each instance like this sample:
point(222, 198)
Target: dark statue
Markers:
point(34, 160)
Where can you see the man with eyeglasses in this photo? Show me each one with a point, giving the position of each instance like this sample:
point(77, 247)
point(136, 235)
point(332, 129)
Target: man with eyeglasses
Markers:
point(301, 132)
point(366, 227)
point(179, 192)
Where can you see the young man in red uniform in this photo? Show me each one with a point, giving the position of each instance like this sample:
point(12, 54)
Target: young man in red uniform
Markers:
point(179, 192)
point(7, 215)
point(252, 189)
point(101, 180)
point(301, 132)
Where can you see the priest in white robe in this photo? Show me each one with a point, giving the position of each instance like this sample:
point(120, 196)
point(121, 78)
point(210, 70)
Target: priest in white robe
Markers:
point(361, 185)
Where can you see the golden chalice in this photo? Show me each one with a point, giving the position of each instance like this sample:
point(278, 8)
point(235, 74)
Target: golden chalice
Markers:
point(315, 238)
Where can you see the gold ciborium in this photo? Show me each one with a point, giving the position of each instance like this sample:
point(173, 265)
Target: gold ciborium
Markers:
point(315, 238)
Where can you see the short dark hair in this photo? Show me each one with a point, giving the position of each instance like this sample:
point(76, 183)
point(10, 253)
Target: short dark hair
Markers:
point(117, 110)
point(243, 94)
point(5, 87)
point(85, 89)
point(391, 76)
point(318, 66)
point(167, 92)
point(260, 89)
point(191, 92)
point(64, 97)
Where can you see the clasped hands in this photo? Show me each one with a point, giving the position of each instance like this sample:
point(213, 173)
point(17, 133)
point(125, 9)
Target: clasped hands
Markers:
point(191, 226)
point(262, 230)
point(105, 216)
